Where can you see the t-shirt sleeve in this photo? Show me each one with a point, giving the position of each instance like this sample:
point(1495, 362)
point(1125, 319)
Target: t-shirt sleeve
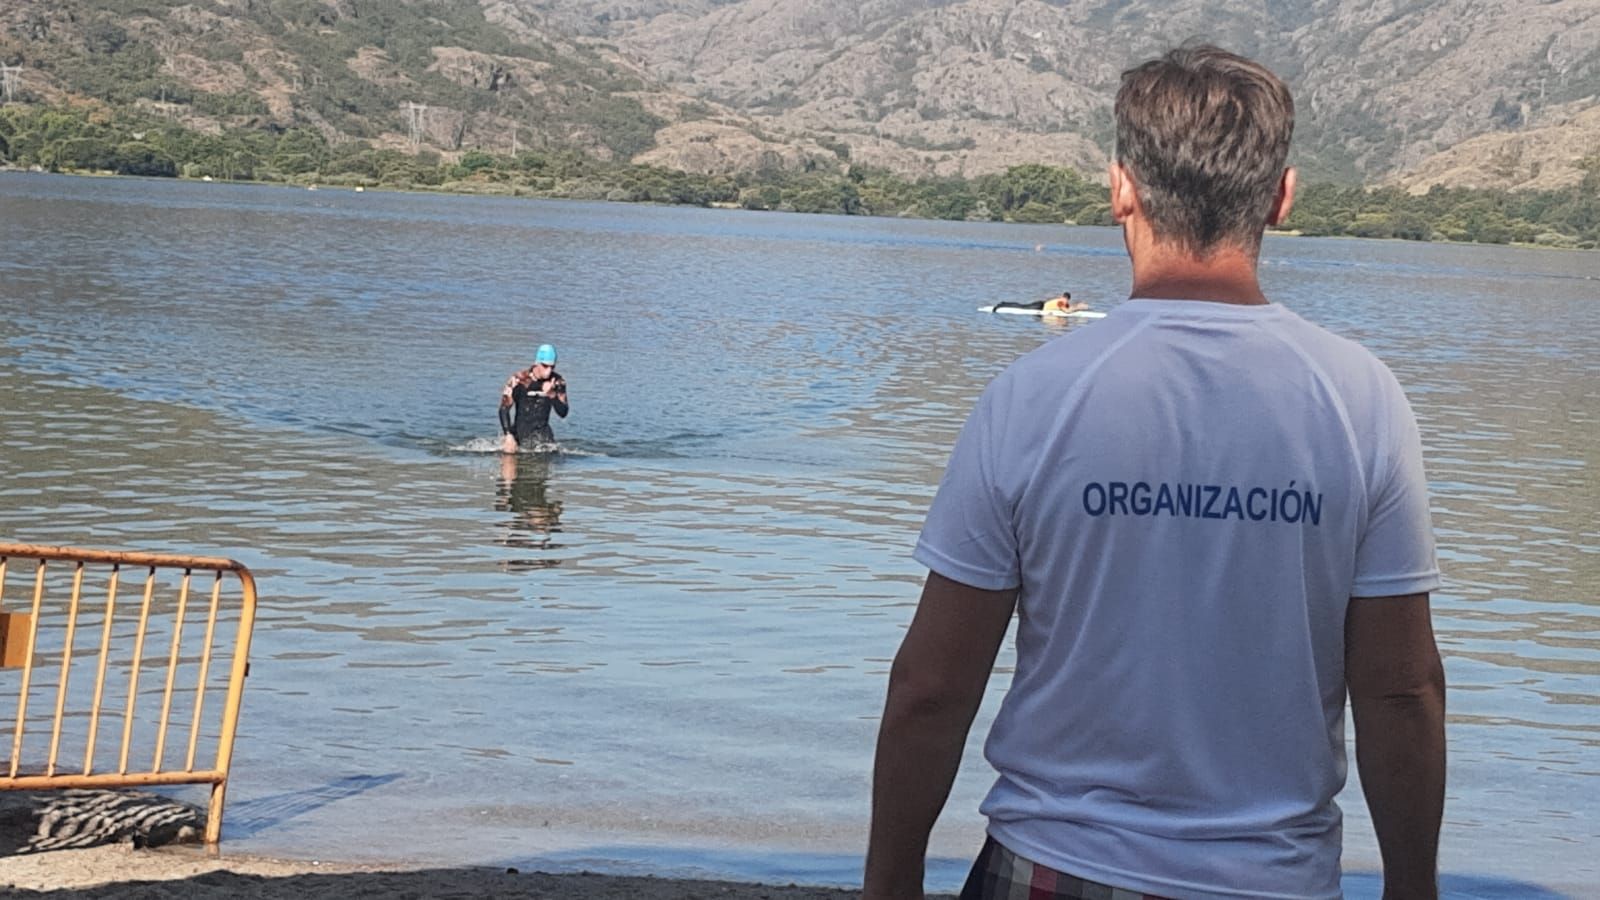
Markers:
point(1396, 555)
point(968, 535)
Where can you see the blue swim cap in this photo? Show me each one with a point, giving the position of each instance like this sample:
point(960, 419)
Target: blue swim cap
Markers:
point(546, 355)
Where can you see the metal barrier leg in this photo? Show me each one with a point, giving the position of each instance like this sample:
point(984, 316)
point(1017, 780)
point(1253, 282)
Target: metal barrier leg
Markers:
point(214, 817)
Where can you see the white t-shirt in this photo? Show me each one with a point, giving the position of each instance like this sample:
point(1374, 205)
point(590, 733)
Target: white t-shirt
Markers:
point(1186, 495)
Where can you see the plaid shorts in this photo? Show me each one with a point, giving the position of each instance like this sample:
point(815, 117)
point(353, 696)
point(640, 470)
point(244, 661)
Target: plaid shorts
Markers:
point(999, 874)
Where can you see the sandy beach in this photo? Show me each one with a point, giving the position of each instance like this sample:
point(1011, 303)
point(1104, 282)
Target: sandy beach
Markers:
point(137, 844)
point(141, 844)
point(173, 872)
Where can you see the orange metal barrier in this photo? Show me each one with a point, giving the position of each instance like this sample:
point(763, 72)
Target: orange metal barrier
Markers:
point(41, 643)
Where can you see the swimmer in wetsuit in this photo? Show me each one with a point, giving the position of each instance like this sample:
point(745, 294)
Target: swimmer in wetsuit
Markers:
point(531, 394)
point(1057, 305)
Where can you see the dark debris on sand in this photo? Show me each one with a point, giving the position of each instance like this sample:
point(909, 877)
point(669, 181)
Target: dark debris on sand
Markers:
point(443, 884)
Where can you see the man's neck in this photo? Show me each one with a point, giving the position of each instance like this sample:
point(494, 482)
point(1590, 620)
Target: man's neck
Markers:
point(1228, 275)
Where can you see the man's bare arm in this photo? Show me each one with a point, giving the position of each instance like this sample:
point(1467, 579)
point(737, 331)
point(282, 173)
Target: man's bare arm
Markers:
point(1396, 683)
point(935, 686)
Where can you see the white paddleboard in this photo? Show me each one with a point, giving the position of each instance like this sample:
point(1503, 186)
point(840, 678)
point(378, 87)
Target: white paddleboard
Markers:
point(1043, 314)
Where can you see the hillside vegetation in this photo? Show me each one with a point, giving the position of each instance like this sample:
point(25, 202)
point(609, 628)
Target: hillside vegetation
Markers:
point(344, 68)
point(1453, 92)
point(95, 137)
point(979, 109)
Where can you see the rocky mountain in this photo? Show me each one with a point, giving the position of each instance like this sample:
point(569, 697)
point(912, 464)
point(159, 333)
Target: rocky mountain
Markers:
point(439, 75)
point(1407, 90)
point(1414, 92)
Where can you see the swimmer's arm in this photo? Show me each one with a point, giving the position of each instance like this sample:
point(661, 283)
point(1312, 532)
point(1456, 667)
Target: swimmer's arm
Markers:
point(507, 404)
point(558, 399)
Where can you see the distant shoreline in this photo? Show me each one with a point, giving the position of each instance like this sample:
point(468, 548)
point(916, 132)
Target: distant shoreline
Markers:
point(517, 193)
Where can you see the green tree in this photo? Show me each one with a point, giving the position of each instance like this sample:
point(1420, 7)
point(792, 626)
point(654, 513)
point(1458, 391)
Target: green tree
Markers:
point(299, 151)
point(1036, 212)
point(139, 158)
point(1372, 225)
point(473, 162)
point(837, 197)
point(1410, 226)
point(1590, 166)
point(947, 204)
point(105, 38)
point(90, 153)
point(1095, 214)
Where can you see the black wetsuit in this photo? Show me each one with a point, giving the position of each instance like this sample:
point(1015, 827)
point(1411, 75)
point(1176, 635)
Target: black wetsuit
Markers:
point(1012, 304)
point(532, 423)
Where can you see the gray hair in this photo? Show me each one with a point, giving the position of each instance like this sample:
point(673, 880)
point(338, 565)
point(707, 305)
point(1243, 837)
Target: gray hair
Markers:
point(1205, 134)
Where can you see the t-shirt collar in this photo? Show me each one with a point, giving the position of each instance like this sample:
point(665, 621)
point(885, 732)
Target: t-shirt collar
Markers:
point(1206, 308)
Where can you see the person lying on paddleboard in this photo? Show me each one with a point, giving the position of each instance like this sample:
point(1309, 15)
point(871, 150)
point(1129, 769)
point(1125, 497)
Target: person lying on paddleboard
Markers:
point(532, 393)
point(1055, 305)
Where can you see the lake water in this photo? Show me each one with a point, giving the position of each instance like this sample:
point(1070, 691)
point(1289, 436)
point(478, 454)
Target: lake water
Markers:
point(665, 649)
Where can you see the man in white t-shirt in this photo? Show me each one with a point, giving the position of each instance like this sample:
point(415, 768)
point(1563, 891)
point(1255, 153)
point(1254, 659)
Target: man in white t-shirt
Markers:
point(1211, 519)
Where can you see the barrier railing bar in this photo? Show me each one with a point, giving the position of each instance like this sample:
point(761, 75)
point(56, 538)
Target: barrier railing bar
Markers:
point(205, 667)
point(137, 779)
point(125, 557)
point(66, 668)
point(133, 677)
point(27, 670)
point(100, 675)
point(230, 710)
point(4, 567)
point(172, 673)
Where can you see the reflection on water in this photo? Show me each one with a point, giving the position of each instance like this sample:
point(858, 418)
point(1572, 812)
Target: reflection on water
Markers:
point(523, 491)
point(669, 642)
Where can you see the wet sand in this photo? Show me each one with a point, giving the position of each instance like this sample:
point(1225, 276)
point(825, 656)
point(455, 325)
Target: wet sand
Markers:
point(137, 849)
point(186, 872)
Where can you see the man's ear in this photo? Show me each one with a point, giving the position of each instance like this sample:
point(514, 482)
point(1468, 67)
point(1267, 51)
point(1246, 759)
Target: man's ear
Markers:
point(1124, 193)
point(1285, 199)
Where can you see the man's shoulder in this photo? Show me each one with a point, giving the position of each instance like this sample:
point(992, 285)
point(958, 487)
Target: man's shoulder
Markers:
point(1081, 344)
point(1039, 378)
